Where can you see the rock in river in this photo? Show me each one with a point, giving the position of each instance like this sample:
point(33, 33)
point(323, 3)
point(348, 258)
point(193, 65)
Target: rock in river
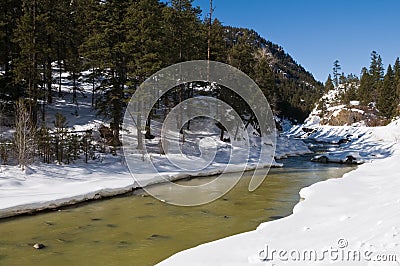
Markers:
point(39, 246)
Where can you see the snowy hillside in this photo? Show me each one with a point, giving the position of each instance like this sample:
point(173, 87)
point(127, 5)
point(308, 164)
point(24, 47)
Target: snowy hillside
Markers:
point(332, 110)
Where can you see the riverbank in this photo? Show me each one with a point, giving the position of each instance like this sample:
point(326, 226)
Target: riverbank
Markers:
point(44, 186)
point(358, 214)
point(130, 228)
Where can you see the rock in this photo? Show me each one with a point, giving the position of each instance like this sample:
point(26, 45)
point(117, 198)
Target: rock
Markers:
point(39, 246)
point(105, 132)
point(276, 217)
point(350, 160)
point(308, 130)
point(342, 141)
point(320, 159)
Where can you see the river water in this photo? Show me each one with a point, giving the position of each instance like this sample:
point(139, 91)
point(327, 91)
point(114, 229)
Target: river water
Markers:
point(139, 230)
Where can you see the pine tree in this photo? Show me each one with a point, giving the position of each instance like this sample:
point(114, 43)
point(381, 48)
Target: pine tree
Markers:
point(186, 34)
point(10, 11)
point(387, 101)
point(218, 46)
point(144, 41)
point(397, 78)
point(329, 84)
point(73, 38)
point(376, 71)
point(144, 44)
point(336, 72)
point(105, 49)
point(376, 67)
point(364, 92)
point(28, 37)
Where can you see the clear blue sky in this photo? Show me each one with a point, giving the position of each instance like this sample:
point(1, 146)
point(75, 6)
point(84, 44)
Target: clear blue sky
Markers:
point(317, 32)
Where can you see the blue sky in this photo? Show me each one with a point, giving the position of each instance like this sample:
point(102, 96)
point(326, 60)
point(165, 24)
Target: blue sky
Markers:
point(317, 32)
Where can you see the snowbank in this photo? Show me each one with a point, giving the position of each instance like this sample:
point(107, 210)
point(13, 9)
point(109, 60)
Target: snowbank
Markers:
point(44, 186)
point(354, 220)
point(362, 143)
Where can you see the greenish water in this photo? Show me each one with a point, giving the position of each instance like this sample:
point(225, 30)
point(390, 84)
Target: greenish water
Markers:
point(139, 230)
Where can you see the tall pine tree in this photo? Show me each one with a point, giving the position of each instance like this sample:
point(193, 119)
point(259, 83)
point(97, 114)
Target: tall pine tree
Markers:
point(105, 49)
point(336, 72)
point(376, 71)
point(387, 102)
point(329, 84)
point(365, 91)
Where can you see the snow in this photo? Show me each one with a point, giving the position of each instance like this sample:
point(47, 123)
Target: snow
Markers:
point(290, 147)
point(357, 214)
point(44, 186)
point(363, 143)
point(47, 186)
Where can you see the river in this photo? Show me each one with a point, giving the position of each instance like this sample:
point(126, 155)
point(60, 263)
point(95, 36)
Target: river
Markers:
point(139, 230)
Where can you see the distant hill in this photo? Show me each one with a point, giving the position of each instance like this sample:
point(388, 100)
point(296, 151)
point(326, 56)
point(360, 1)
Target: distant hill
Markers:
point(296, 89)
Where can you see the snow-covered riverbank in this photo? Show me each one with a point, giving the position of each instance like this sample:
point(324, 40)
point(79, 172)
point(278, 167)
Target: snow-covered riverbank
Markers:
point(354, 220)
point(45, 186)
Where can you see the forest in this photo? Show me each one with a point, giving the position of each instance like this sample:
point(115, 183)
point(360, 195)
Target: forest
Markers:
point(121, 43)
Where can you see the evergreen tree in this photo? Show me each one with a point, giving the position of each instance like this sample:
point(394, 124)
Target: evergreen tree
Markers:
point(376, 67)
point(74, 35)
point(387, 101)
point(105, 49)
point(397, 78)
point(336, 72)
point(144, 44)
point(28, 36)
point(10, 11)
point(328, 84)
point(186, 35)
point(365, 89)
point(145, 38)
point(218, 46)
point(376, 71)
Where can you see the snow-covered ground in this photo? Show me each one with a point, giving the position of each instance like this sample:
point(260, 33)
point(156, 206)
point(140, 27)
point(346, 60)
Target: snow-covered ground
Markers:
point(44, 186)
point(354, 220)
